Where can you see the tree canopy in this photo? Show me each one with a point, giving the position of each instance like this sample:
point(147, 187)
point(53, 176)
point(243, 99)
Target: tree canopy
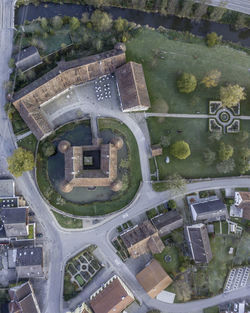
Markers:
point(48, 149)
point(101, 20)
point(57, 22)
point(211, 79)
point(226, 166)
point(74, 23)
point(186, 83)
point(225, 151)
point(22, 160)
point(231, 95)
point(180, 149)
point(212, 39)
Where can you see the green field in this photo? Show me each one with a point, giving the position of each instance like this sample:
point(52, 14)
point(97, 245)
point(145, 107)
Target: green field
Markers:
point(67, 222)
point(166, 58)
point(28, 143)
point(171, 267)
point(195, 133)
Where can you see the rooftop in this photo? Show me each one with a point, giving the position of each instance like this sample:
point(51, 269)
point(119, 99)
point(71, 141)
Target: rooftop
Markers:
point(214, 205)
point(28, 58)
point(10, 202)
point(29, 256)
point(113, 297)
point(166, 219)
point(138, 233)
point(153, 279)
point(132, 87)
point(13, 215)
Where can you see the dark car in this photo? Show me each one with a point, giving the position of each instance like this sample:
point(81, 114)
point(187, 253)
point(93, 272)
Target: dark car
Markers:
point(31, 213)
point(39, 235)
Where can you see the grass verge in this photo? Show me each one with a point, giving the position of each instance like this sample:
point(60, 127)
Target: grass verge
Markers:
point(67, 222)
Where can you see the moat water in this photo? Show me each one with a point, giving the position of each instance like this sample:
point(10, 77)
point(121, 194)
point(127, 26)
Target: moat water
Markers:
point(201, 28)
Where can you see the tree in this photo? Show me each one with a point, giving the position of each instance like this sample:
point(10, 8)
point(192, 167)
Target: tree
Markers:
point(98, 44)
point(218, 11)
point(209, 156)
point(48, 149)
point(172, 204)
point(200, 10)
point(11, 63)
point(57, 22)
point(176, 183)
point(242, 136)
point(120, 25)
point(44, 23)
point(244, 160)
point(186, 8)
point(172, 4)
point(95, 3)
point(212, 39)
point(165, 141)
point(226, 166)
point(225, 151)
point(231, 95)
point(101, 21)
point(215, 137)
point(186, 83)
point(211, 79)
point(21, 160)
point(180, 149)
point(85, 18)
point(74, 23)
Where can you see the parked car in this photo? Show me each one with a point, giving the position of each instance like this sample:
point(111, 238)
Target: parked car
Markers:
point(39, 235)
point(31, 213)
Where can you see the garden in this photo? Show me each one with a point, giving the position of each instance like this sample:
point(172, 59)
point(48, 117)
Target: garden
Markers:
point(79, 271)
point(109, 202)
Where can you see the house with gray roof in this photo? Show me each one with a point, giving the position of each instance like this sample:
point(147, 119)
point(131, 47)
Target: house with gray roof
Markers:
point(15, 221)
point(165, 223)
point(198, 243)
point(209, 209)
point(23, 299)
point(28, 58)
point(27, 261)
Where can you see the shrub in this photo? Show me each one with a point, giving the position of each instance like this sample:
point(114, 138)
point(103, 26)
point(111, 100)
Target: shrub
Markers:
point(172, 204)
point(186, 83)
point(212, 39)
point(180, 149)
point(48, 149)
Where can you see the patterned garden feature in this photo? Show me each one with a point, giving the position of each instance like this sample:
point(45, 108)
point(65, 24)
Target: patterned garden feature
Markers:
point(223, 118)
point(82, 268)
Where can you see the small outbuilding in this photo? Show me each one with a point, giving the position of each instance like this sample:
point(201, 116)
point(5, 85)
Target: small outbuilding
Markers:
point(28, 58)
point(156, 150)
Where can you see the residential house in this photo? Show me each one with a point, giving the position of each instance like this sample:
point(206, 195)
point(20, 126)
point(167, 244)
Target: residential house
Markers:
point(28, 262)
point(153, 279)
point(242, 201)
point(209, 209)
point(132, 87)
point(113, 296)
point(23, 299)
point(166, 223)
point(15, 221)
point(28, 58)
point(198, 243)
point(141, 239)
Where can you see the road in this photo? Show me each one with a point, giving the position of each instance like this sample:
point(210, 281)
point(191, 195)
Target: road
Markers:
point(63, 244)
point(242, 6)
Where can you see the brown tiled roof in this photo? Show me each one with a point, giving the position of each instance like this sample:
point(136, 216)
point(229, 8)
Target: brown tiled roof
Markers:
point(138, 233)
point(155, 244)
point(246, 213)
point(245, 196)
point(156, 150)
point(113, 298)
point(28, 100)
point(132, 86)
point(153, 279)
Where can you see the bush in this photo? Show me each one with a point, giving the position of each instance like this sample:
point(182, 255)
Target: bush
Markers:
point(172, 204)
point(186, 83)
point(212, 39)
point(180, 149)
point(225, 151)
point(48, 149)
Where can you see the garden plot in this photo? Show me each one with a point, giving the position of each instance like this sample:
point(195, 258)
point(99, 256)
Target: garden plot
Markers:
point(82, 269)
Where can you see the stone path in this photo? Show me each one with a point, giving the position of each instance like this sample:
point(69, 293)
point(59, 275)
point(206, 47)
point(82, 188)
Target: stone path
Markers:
point(180, 115)
point(22, 136)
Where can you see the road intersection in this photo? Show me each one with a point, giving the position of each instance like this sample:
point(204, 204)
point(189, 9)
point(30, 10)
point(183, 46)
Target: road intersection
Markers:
point(63, 243)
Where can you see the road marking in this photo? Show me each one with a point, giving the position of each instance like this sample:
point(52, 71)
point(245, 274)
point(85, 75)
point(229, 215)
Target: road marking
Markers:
point(125, 215)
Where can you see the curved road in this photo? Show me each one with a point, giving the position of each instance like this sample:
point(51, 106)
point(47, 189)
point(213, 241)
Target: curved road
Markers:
point(65, 243)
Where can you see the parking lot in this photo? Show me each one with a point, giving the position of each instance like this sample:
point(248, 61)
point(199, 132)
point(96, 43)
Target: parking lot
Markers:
point(238, 277)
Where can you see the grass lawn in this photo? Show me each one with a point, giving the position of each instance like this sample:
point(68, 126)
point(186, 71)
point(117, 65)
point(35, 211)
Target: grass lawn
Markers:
point(18, 124)
point(119, 201)
point(67, 222)
point(195, 133)
point(166, 58)
point(31, 232)
point(28, 143)
point(213, 309)
point(171, 267)
point(242, 255)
